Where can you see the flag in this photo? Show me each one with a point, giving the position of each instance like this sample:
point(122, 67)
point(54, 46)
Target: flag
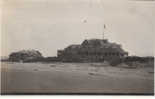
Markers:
point(104, 26)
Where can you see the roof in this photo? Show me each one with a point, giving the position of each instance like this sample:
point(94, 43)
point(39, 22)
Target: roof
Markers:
point(100, 43)
point(94, 42)
point(97, 45)
point(73, 46)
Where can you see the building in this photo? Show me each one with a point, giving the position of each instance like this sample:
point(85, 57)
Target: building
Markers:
point(93, 50)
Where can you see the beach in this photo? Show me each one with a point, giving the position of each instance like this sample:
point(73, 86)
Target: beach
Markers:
point(20, 78)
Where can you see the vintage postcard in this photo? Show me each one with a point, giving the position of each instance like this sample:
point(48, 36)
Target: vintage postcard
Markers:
point(86, 47)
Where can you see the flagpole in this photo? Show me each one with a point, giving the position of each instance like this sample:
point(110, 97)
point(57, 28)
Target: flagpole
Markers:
point(103, 35)
point(103, 31)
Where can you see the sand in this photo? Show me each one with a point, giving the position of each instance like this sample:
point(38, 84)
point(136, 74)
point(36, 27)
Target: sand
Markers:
point(75, 78)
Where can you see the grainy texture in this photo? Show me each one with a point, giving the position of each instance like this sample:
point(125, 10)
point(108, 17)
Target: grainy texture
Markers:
point(75, 78)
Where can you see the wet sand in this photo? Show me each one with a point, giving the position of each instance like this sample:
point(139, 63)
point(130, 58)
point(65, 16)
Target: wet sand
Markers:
point(75, 78)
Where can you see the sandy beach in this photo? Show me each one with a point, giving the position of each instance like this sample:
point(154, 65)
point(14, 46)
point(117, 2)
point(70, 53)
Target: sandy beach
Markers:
point(75, 78)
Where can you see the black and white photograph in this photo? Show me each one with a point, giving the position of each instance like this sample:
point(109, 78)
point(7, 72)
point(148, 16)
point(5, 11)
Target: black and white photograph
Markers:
point(77, 47)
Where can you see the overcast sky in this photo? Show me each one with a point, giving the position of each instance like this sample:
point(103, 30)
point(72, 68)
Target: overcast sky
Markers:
point(49, 25)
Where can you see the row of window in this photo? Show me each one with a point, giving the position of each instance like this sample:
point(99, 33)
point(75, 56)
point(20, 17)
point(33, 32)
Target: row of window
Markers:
point(104, 54)
point(95, 53)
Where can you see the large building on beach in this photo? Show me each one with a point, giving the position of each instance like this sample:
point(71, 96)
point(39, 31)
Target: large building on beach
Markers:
point(92, 50)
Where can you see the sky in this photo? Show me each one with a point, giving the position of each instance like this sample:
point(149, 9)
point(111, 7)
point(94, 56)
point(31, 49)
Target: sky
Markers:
point(49, 25)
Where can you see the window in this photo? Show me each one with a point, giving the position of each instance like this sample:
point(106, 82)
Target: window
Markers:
point(109, 54)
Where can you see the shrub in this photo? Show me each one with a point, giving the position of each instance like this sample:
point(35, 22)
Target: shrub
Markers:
point(115, 61)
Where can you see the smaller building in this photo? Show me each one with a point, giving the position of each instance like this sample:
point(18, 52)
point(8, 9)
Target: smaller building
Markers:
point(25, 55)
point(93, 50)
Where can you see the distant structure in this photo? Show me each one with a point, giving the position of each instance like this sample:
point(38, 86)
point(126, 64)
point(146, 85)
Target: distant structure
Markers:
point(25, 56)
point(93, 50)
